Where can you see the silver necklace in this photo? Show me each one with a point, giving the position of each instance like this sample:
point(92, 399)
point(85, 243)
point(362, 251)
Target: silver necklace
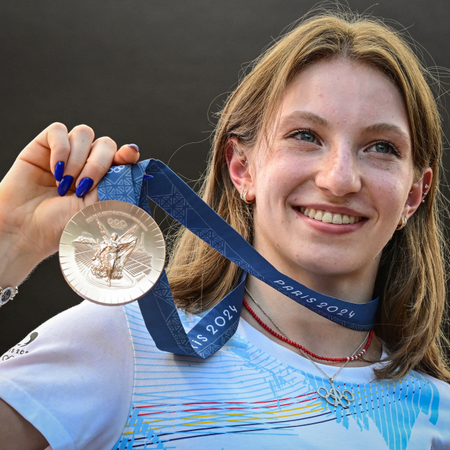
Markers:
point(332, 396)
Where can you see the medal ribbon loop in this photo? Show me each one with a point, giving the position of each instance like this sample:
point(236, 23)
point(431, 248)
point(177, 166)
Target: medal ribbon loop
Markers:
point(166, 189)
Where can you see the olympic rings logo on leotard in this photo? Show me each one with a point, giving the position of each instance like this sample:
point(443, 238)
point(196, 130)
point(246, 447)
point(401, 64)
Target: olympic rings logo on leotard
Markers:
point(116, 169)
point(117, 224)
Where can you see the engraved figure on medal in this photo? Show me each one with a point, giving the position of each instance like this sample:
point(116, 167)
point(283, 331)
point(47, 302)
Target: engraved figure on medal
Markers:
point(112, 254)
point(107, 266)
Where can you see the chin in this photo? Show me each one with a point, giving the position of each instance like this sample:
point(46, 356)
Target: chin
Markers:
point(339, 267)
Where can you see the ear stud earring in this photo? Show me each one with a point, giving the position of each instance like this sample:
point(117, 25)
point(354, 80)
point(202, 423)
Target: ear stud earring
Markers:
point(403, 223)
point(244, 197)
point(424, 194)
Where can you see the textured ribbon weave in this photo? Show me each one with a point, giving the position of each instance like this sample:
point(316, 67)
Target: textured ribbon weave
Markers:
point(167, 190)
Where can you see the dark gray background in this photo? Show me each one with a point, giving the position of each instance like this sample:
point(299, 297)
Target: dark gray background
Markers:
point(144, 71)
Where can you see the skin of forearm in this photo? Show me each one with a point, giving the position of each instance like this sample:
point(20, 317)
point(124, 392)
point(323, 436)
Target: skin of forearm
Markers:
point(15, 262)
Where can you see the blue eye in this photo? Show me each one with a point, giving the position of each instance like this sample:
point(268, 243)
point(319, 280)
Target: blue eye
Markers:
point(308, 137)
point(382, 147)
point(304, 135)
point(385, 148)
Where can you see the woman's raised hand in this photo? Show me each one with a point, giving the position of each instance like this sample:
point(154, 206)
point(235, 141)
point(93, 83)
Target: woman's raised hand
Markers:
point(53, 178)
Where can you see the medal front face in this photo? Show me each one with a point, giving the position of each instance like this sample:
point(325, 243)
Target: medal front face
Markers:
point(112, 252)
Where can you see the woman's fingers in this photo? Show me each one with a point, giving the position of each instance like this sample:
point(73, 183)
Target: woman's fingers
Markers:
point(57, 140)
point(76, 160)
point(103, 155)
point(96, 165)
point(52, 143)
point(127, 154)
point(81, 139)
point(66, 170)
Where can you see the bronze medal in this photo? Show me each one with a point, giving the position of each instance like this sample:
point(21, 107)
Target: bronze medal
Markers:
point(112, 252)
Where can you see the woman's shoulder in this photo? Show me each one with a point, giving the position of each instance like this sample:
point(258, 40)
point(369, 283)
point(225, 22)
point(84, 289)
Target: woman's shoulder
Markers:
point(76, 329)
point(78, 358)
point(440, 386)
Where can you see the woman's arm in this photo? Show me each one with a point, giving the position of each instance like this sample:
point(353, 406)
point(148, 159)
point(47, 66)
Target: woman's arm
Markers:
point(17, 433)
point(32, 212)
point(33, 215)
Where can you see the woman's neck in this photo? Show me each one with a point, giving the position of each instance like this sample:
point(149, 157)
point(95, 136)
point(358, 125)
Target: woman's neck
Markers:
point(299, 324)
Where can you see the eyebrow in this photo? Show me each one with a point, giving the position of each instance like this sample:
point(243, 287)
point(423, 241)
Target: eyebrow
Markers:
point(311, 117)
point(389, 128)
point(381, 127)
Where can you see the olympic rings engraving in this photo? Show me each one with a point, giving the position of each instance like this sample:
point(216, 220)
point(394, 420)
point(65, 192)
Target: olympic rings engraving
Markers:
point(117, 224)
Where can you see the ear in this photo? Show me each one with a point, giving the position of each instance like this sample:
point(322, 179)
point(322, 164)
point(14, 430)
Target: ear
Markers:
point(418, 192)
point(239, 169)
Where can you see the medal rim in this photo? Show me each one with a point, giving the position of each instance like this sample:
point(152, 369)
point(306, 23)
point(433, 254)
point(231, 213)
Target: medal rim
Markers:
point(105, 204)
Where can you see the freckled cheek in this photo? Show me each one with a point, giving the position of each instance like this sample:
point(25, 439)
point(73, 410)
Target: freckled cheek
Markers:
point(391, 198)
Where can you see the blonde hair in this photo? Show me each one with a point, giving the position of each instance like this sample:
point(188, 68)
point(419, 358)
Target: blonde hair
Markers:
point(410, 280)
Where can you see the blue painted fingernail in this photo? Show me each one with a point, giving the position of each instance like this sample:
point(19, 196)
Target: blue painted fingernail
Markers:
point(134, 146)
point(59, 170)
point(64, 186)
point(84, 187)
point(147, 176)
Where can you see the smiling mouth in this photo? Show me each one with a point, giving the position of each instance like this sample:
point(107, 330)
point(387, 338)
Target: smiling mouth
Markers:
point(329, 217)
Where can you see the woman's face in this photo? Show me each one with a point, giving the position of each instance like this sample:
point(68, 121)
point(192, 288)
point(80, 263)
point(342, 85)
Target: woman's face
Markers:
point(338, 176)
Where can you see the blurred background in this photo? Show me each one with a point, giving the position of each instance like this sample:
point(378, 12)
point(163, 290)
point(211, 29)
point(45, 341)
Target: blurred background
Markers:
point(147, 72)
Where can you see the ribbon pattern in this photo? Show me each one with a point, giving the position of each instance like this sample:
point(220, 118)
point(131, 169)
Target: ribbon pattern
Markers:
point(153, 179)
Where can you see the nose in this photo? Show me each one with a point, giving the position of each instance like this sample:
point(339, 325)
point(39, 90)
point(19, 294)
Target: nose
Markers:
point(338, 171)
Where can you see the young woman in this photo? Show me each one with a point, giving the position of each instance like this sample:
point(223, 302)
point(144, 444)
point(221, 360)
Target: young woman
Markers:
point(326, 158)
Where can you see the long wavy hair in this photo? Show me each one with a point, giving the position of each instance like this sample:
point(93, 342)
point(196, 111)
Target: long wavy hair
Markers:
point(410, 280)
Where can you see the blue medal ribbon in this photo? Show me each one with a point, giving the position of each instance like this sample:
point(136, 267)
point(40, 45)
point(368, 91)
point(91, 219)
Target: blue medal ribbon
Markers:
point(153, 179)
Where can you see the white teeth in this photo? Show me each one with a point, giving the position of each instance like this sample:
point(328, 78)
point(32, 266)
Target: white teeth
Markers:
point(328, 217)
